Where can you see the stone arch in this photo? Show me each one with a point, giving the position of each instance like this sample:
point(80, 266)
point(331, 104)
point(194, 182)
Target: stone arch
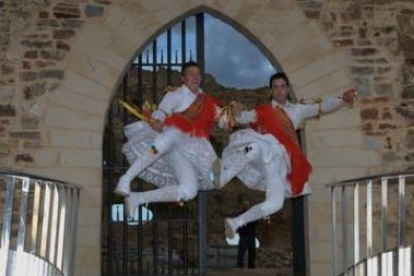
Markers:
point(75, 113)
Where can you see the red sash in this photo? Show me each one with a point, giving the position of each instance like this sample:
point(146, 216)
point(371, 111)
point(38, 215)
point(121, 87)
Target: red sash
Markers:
point(198, 119)
point(276, 122)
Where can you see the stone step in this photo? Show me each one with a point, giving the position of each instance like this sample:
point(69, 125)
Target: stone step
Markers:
point(250, 272)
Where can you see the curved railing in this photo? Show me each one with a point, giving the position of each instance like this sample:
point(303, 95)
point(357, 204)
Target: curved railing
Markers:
point(38, 225)
point(372, 234)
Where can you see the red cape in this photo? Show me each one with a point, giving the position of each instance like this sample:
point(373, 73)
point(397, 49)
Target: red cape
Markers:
point(267, 122)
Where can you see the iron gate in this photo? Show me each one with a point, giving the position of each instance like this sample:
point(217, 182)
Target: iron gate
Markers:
point(175, 242)
point(172, 244)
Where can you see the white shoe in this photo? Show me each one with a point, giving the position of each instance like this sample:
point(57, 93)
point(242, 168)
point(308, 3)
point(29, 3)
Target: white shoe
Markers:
point(229, 228)
point(122, 188)
point(132, 202)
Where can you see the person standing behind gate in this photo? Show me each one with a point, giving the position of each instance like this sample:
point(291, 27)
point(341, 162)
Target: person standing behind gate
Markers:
point(247, 242)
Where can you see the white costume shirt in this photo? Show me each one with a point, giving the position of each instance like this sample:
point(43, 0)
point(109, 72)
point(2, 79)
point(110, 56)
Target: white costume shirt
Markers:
point(296, 112)
point(177, 101)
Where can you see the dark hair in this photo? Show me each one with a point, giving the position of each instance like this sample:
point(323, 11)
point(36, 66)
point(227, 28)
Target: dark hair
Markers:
point(188, 65)
point(279, 75)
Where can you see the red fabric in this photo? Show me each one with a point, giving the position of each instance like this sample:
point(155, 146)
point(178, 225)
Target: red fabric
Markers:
point(268, 122)
point(200, 126)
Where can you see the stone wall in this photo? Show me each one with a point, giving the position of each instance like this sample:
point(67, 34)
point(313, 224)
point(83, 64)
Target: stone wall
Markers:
point(61, 61)
point(379, 37)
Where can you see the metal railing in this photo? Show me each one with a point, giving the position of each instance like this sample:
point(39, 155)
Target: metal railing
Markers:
point(38, 225)
point(370, 227)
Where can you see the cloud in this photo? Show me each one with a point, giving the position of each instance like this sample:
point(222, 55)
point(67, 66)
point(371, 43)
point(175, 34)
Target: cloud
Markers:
point(232, 59)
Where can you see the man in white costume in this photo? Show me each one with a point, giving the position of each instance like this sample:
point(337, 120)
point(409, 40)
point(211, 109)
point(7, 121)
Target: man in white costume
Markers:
point(267, 157)
point(172, 151)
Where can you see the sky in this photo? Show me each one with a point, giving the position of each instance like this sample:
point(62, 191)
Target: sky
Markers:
point(230, 57)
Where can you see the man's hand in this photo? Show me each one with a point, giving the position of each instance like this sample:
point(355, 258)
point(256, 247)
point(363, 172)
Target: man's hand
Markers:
point(349, 96)
point(156, 125)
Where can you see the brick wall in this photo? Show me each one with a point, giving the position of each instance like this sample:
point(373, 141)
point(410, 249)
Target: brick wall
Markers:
point(60, 62)
point(379, 37)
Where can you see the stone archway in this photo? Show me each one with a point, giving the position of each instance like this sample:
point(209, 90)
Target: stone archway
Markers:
point(75, 114)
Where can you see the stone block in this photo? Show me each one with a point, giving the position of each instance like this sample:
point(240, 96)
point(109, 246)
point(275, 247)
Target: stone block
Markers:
point(65, 97)
point(65, 118)
point(333, 138)
point(75, 139)
point(362, 86)
point(23, 158)
point(29, 122)
point(320, 268)
point(28, 76)
point(384, 89)
point(369, 113)
point(83, 158)
point(89, 217)
point(63, 34)
point(321, 251)
point(84, 86)
point(328, 85)
point(7, 94)
point(87, 270)
point(319, 68)
point(34, 90)
point(90, 236)
point(87, 255)
point(345, 118)
point(94, 11)
point(92, 69)
point(322, 175)
point(29, 135)
point(346, 157)
point(51, 74)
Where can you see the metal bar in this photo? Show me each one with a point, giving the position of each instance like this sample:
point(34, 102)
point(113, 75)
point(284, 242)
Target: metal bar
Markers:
point(170, 241)
point(45, 220)
point(17, 174)
point(7, 219)
point(344, 228)
point(369, 228)
point(62, 227)
point(54, 225)
point(125, 255)
point(140, 227)
point(183, 41)
point(334, 233)
point(35, 215)
point(384, 214)
point(169, 57)
point(22, 215)
point(373, 177)
point(155, 243)
point(69, 229)
point(356, 225)
point(74, 231)
point(185, 238)
point(401, 226)
point(202, 215)
point(298, 236)
point(110, 182)
point(154, 72)
point(384, 225)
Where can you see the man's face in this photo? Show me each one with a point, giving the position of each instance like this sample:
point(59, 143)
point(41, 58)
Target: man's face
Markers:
point(279, 90)
point(192, 78)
